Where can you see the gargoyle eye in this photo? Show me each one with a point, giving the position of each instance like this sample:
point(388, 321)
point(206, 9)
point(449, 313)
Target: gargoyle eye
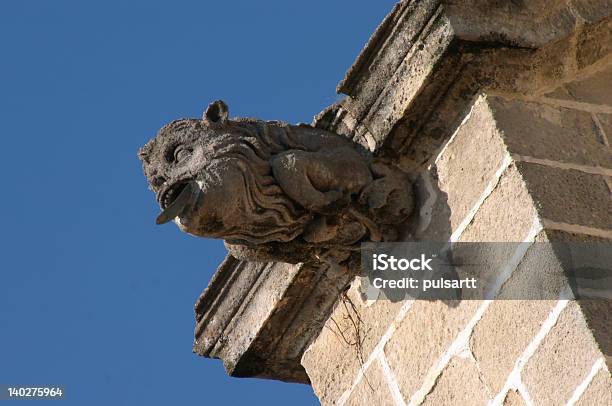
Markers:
point(181, 153)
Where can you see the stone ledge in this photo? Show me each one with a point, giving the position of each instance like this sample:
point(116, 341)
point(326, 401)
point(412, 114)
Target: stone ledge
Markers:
point(259, 317)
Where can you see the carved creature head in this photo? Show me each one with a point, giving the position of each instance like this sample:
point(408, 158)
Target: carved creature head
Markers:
point(272, 191)
point(212, 176)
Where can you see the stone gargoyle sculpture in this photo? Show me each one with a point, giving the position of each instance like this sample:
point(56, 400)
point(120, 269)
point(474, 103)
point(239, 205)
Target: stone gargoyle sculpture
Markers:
point(273, 191)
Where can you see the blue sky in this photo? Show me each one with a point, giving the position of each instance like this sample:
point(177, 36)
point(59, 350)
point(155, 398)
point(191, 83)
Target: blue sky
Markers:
point(93, 295)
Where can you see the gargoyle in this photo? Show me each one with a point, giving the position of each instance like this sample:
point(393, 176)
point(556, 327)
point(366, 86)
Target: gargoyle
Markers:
point(273, 191)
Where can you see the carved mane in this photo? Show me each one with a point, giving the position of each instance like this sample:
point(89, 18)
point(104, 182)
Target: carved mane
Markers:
point(249, 147)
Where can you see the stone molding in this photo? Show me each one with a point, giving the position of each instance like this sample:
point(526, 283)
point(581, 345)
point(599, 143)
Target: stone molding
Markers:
point(260, 317)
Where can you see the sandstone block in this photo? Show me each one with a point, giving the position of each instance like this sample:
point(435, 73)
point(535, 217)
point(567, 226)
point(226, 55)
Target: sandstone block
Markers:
point(434, 213)
point(551, 278)
point(423, 336)
point(552, 133)
point(503, 334)
point(598, 315)
point(539, 275)
point(569, 196)
point(372, 390)
point(599, 391)
point(469, 161)
point(506, 215)
point(593, 10)
point(563, 359)
point(605, 120)
point(459, 384)
point(594, 44)
point(334, 359)
point(594, 89)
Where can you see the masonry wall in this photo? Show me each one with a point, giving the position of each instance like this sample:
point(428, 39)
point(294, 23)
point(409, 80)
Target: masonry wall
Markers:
point(534, 167)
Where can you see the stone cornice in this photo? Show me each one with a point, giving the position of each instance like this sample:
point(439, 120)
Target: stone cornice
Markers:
point(428, 59)
point(259, 317)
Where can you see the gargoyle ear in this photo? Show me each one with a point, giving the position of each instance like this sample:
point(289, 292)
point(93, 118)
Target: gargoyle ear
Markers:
point(217, 112)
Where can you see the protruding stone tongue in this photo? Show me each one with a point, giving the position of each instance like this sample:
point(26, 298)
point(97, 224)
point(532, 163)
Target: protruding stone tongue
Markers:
point(187, 195)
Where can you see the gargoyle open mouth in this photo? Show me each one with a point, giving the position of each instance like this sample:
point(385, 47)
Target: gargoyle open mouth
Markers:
point(171, 193)
point(175, 199)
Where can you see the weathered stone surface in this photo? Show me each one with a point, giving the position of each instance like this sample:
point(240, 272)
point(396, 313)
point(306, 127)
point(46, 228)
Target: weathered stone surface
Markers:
point(372, 390)
point(409, 78)
point(503, 333)
point(599, 391)
point(556, 235)
point(513, 398)
point(533, 23)
point(437, 110)
point(469, 161)
point(238, 276)
point(385, 51)
point(229, 316)
point(594, 44)
point(538, 72)
point(559, 93)
point(592, 10)
point(605, 120)
point(593, 89)
point(562, 360)
point(461, 72)
point(334, 358)
point(569, 196)
point(598, 315)
point(459, 384)
point(413, 51)
point(433, 221)
point(331, 365)
point(259, 317)
point(422, 337)
point(538, 276)
point(596, 312)
point(273, 191)
point(553, 133)
point(429, 94)
point(506, 215)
